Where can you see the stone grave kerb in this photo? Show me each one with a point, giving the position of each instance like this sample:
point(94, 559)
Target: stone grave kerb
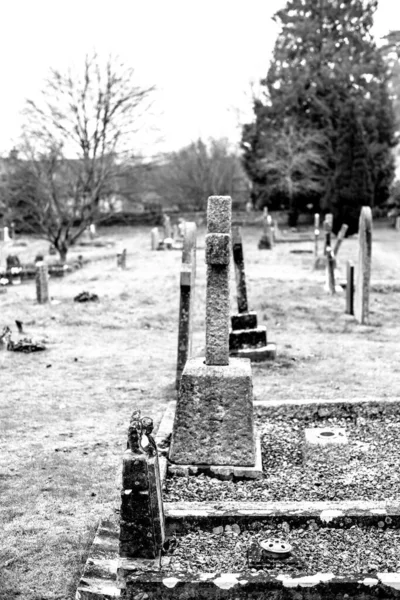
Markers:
point(214, 422)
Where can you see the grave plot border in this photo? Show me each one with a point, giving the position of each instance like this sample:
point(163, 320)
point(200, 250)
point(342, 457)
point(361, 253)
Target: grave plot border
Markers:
point(99, 579)
point(107, 577)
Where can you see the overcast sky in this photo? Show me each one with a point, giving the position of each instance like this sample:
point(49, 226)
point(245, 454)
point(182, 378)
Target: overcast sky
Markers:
point(201, 55)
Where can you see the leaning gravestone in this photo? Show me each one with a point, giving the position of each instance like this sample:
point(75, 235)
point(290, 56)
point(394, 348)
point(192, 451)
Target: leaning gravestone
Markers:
point(246, 340)
point(361, 300)
point(42, 283)
point(188, 275)
point(214, 422)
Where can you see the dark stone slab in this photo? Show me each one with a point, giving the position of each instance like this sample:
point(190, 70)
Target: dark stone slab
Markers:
point(244, 321)
point(248, 338)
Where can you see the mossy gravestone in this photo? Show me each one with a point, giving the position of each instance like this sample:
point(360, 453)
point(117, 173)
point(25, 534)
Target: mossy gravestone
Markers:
point(214, 414)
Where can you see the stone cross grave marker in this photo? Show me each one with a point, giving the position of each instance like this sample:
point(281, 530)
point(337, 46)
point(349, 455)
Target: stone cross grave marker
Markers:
point(214, 422)
point(237, 250)
point(142, 532)
point(42, 283)
point(217, 295)
point(361, 300)
point(187, 281)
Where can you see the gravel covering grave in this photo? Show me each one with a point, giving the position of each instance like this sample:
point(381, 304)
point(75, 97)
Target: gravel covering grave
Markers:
point(328, 550)
point(371, 473)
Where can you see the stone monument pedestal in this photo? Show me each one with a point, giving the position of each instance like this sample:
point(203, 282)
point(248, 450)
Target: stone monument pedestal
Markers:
point(214, 415)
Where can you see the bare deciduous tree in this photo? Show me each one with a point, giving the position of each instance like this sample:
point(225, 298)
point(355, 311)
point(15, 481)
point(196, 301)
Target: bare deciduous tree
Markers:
point(75, 140)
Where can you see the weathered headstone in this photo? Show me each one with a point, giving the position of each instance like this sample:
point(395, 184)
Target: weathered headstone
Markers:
point(350, 288)
point(42, 283)
point(214, 414)
point(121, 259)
point(155, 238)
point(92, 231)
point(6, 234)
point(246, 339)
point(265, 242)
point(142, 517)
point(187, 281)
point(361, 300)
point(167, 226)
point(397, 224)
point(328, 221)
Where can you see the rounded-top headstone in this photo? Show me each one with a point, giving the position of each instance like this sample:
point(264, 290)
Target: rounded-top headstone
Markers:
point(219, 210)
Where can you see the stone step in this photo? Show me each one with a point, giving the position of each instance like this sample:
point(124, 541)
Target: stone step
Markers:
point(246, 320)
point(248, 338)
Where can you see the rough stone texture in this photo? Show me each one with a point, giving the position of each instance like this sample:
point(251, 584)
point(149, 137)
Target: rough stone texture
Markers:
point(141, 516)
point(214, 415)
point(188, 274)
point(248, 338)
point(42, 283)
point(218, 248)
point(244, 321)
point(237, 250)
point(267, 352)
point(217, 297)
point(361, 301)
point(350, 288)
point(219, 213)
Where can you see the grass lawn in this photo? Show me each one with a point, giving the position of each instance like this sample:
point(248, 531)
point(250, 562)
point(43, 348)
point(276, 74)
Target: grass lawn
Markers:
point(64, 412)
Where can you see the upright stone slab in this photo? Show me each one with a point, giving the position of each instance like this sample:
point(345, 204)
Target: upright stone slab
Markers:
point(142, 517)
point(155, 238)
point(214, 414)
point(237, 250)
point(350, 288)
point(188, 275)
point(121, 259)
point(316, 235)
point(167, 227)
point(42, 283)
point(361, 301)
point(328, 221)
point(265, 242)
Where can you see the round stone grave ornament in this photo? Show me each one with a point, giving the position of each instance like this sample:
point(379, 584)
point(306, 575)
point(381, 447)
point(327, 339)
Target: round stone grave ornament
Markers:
point(275, 548)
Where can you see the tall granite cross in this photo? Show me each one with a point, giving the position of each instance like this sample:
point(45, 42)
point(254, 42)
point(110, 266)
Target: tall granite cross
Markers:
point(237, 250)
point(214, 414)
point(361, 300)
